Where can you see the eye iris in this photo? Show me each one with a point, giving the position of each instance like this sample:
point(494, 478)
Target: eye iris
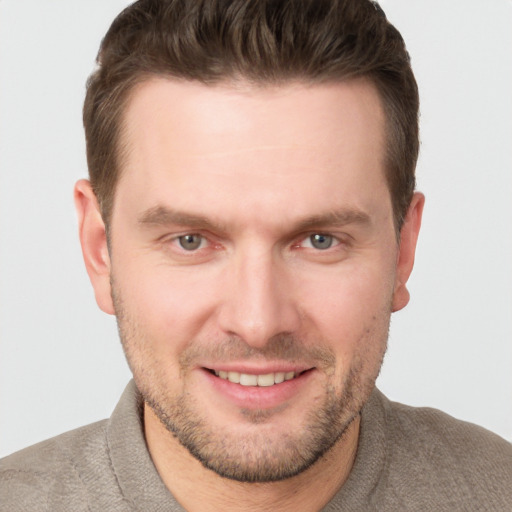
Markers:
point(190, 242)
point(319, 241)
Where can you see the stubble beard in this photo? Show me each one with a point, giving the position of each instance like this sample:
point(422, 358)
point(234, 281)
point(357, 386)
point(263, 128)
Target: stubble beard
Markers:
point(259, 457)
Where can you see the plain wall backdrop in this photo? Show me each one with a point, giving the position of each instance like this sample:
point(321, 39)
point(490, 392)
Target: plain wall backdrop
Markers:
point(61, 364)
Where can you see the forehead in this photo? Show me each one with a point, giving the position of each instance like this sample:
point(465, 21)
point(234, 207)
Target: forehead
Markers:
point(288, 143)
point(209, 112)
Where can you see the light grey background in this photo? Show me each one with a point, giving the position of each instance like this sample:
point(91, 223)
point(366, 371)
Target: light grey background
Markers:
point(61, 365)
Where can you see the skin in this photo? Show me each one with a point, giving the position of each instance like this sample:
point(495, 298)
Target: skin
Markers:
point(254, 172)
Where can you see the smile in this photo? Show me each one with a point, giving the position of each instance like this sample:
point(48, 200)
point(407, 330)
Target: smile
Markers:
point(258, 388)
point(263, 380)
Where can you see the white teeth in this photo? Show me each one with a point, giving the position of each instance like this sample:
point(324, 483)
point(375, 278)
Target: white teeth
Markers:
point(247, 379)
point(234, 377)
point(279, 377)
point(266, 380)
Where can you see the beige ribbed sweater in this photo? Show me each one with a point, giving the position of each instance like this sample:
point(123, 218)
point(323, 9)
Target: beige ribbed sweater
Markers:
point(414, 460)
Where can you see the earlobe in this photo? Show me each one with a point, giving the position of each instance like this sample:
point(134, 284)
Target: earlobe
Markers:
point(93, 239)
point(405, 259)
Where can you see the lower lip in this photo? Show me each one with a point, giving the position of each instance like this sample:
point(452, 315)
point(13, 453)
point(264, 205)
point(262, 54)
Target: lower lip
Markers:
point(258, 397)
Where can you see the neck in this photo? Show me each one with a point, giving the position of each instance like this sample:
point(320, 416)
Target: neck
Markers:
point(310, 490)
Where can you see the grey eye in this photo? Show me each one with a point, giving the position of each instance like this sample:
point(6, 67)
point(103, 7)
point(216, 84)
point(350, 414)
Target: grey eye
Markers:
point(190, 242)
point(319, 241)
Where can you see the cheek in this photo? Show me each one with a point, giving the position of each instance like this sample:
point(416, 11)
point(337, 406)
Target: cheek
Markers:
point(170, 305)
point(349, 305)
point(352, 318)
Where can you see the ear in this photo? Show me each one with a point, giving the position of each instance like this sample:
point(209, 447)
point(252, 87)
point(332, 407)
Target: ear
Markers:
point(93, 239)
point(405, 258)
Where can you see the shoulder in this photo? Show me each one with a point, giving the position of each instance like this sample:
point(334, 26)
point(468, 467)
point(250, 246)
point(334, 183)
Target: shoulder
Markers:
point(459, 461)
point(37, 477)
point(425, 429)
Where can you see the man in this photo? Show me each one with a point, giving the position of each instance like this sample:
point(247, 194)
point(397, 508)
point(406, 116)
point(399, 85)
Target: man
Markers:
point(251, 221)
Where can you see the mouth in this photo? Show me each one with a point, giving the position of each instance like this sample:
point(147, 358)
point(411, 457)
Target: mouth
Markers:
point(257, 380)
point(250, 388)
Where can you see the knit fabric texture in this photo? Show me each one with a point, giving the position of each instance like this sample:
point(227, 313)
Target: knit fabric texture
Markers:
point(410, 459)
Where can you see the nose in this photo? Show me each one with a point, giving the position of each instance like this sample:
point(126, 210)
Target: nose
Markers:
point(258, 300)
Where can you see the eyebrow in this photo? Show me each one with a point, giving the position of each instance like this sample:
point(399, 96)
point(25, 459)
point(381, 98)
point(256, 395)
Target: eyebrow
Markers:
point(338, 218)
point(164, 216)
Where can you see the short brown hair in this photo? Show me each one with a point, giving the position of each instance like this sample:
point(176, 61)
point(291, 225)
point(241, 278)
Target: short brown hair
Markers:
point(262, 41)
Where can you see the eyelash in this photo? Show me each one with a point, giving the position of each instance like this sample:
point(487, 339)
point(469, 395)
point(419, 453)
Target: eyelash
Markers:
point(335, 241)
point(298, 244)
point(205, 243)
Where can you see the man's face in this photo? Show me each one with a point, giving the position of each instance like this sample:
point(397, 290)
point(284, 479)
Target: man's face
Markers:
point(253, 264)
